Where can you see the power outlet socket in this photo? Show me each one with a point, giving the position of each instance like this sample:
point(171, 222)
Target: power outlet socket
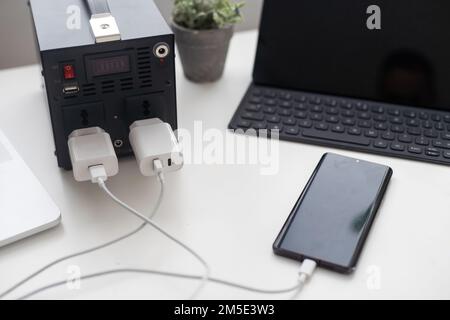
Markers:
point(83, 116)
point(145, 107)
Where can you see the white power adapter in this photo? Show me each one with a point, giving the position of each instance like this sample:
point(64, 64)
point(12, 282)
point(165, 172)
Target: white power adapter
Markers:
point(89, 148)
point(153, 140)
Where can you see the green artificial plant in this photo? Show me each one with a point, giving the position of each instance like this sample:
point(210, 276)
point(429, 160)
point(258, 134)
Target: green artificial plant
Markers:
point(206, 14)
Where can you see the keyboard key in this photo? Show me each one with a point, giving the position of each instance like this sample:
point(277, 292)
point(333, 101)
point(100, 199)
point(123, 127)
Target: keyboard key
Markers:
point(446, 136)
point(317, 109)
point(348, 122)
point(410, 114)
point(301, 106)
point(338, 129)
point(414, 131)
point(436, 117)
point(301, 115)
point(427, 124)
point(422, 141)
point(256, 93)
point(270, 94)
point(252, 116)
point(255, 100)
point(322, 126)
point(362, 107)
point(432, 152)
point(364, 115)
point(405, 138)
point(364, 124)
point(270, 102)
point(430, 134)
point(259, 125)
point(439, 126)
point(441, 144)
point(305, 124)
point(326, 135)
point(285, 96)
point(290, 122)
point(381, 126)
point(285, 112)
point(354, 131)
point(270, 110)
point(378, 109)
point(315, 100)
point(332, 111)
point(292, 131)
point(396, 120)
point(348, 114)
point(371, 133)
point(423, 115)
point(316, 117)
point(244, 124)
point(254, 107)
point(446, 154)
point(397, 128)
point(412, 123)
point(380, 144)
point(397, 146)
point(380, 118)
point(394, 112)
point(275, 127)
point(388, 136)
point(300, 98)
point(331, 102)
point(332, 119)
point(286, 105)
point(447, 118)
point(415, 150)
point(273, 119)
point(347, 105)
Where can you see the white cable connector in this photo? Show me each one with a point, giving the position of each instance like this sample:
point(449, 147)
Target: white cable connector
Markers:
point(153, 140)
point(306, 271)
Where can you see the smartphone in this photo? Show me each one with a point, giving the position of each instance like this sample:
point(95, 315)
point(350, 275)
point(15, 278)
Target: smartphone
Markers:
point(332, 218)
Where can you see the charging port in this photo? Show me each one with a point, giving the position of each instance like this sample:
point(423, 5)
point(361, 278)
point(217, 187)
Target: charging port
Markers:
point(71, 89)
point(169, 162)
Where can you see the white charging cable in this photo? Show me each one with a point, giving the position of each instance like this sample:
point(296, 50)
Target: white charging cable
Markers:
point(94, 159)
point(99, 176)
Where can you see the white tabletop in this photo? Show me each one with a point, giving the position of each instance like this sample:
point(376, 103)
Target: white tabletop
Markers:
point(230, 213)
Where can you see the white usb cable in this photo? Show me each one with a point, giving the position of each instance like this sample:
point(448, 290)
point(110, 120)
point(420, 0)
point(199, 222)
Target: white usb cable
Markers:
point(94, 159)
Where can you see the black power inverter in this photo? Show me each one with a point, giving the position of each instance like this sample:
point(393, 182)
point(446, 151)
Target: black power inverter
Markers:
point(105, 63)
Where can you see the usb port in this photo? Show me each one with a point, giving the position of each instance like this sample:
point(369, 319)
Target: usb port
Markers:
point(72, 89)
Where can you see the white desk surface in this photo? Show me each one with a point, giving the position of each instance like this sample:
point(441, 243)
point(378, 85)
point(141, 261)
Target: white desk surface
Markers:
point(230, 213)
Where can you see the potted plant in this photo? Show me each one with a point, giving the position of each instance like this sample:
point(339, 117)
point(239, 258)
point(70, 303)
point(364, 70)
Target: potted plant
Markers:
point(203, 29)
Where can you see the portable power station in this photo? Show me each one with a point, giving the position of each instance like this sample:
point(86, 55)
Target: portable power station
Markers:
point(105, 63)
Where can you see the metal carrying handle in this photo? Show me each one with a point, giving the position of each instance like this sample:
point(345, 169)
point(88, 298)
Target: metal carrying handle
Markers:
point(103, 24)
point(98, 7)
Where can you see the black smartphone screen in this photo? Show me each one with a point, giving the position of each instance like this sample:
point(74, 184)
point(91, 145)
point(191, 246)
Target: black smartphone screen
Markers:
point(332, 217)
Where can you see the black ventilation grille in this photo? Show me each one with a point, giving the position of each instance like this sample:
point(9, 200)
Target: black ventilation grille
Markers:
point(144, 56)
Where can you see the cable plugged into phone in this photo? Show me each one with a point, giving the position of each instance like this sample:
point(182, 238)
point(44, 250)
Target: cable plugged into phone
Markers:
point(93, 158)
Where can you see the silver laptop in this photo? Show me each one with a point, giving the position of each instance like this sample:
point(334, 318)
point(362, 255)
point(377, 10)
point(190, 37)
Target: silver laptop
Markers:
point(25, 207)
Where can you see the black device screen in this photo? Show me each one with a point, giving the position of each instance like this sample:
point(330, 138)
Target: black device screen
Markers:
point(395, 51)
point(333, 216)
point(110, 65)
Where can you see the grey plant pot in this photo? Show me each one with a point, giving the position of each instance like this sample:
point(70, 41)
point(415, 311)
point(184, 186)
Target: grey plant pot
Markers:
point(203, 53)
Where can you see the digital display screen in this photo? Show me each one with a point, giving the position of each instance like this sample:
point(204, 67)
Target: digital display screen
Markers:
point(390, 51)
point(109, 65)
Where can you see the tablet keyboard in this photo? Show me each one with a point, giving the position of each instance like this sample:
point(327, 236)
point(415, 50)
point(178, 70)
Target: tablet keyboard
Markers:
point(392, 130)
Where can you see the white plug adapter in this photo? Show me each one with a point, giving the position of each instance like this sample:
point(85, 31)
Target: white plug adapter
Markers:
point(89, 148)
point(151, 140)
